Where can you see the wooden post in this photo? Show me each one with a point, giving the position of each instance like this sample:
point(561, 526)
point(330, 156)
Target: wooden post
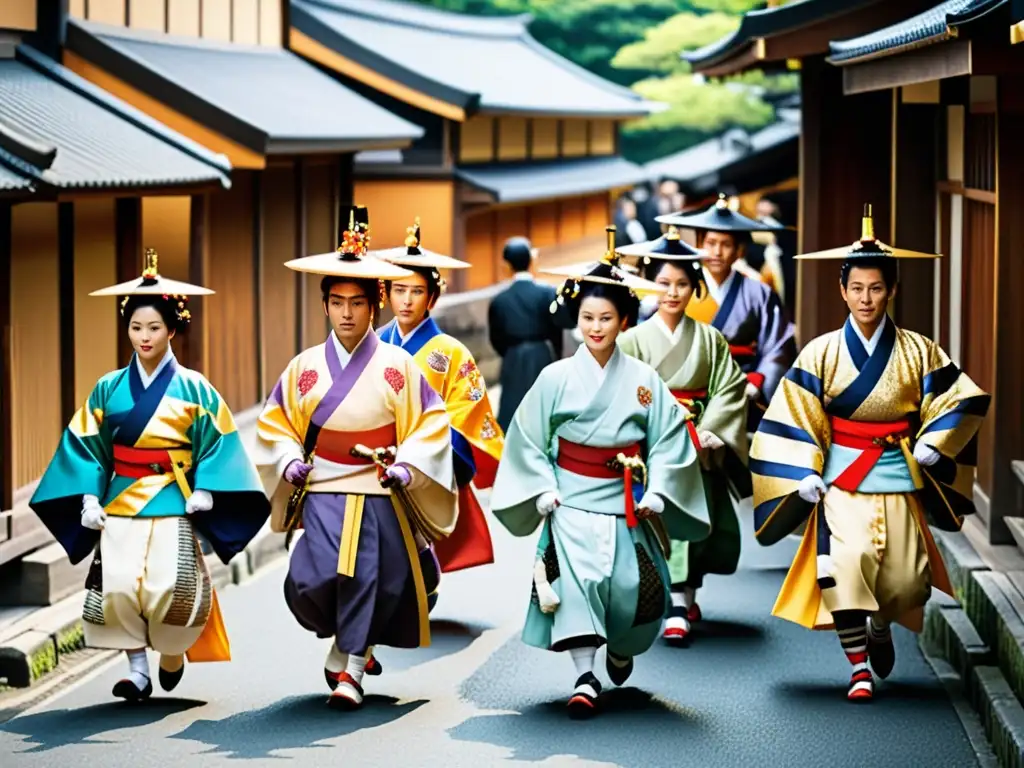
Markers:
point(6, 365)
point(257, 283)
point(128, 244)
point(845, 162)
point(916, 132)
point(300, 251)
point(66, 307)
point(1007, 410)
point(197, 333)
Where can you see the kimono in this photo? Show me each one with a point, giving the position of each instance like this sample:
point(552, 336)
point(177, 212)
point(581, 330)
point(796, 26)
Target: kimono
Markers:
point(572, 437)
point(852, 418)
point(477, 439)
point(357, 573)
point(526, 336)
point(702, 376)
point(141, 450)
point(752, 320)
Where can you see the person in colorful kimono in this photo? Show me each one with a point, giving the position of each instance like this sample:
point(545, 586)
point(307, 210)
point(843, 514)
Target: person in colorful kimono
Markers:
point(598, 455)
point(871, 439)
point(694, 361)
point(746, 311)
point(450, 369)
point(354, 447)
point(151, 458)
point(521, 330)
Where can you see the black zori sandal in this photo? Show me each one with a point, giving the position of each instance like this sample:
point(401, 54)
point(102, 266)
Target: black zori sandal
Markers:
point(583, 703)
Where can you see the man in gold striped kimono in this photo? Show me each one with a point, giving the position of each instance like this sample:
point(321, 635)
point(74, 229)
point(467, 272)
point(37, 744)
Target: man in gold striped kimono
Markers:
point(870, 438)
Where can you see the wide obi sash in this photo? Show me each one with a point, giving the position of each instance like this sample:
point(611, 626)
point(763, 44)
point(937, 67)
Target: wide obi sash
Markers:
point(690, 399)
point(606, 464)
point(746, 354)
point(872, 439)
point(145, 462)
point(336, 446)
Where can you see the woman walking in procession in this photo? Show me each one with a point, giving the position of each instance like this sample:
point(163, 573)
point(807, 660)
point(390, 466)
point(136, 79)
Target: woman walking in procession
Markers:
point(694, 361)
point(152, 457)
point(451, 371)
point(595, 433)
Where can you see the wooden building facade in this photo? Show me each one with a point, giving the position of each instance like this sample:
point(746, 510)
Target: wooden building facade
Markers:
point(517, 140)
point(919, 115)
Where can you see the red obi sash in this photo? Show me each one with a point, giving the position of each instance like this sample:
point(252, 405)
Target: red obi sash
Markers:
point(337, 446)
point(872, 439)
point(687, 398)
point(603, 463)
point(141, 462)
point(742, 353)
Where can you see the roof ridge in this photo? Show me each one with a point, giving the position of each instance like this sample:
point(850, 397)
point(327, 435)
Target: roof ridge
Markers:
point(173, 41)
point(516, 24)
point(26, 148)
point(61, 74)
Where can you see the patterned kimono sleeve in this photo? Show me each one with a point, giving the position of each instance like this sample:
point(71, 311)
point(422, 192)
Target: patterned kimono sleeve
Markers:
point(952, 410)
point(421, 424)
point(673, 471)
point(789, 445)
point(776, 345)
point(527, 468)
point(279, 430)
point(81, 466)
point(726, 413)
point(223, 468)
point(475, 429)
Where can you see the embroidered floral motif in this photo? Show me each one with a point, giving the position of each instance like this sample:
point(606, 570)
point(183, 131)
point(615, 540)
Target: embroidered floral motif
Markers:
point(438, 361)
point(465, 369)
point(489, 430)
point(644, 396)
point(476, 394)
point(307, 380)
point(394, 377)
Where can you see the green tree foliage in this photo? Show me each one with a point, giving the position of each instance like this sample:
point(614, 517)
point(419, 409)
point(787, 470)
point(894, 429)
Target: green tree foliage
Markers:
point(734, 7)
point(660, 48)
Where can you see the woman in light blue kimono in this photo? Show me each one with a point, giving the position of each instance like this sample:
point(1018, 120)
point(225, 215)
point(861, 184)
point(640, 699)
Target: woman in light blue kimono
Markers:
point(150, 458)
point(598, 455)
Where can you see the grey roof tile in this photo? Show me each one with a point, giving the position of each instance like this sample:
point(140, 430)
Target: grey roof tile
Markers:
point(58, 135)
point(523, 182)
point(488, 63)
point(261, 95)
point(934, 25)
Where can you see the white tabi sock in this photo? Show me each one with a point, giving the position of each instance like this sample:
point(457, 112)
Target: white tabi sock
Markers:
point(583, 658)
point(138, 663)
point(678, 600)
point(689, 597)
point(336, 660)
point(356, 667)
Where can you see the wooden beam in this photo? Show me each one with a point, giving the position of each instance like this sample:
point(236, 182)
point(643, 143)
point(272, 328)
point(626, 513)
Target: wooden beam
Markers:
point(128, 245)
point(66, 305)
point(914, 168)
point(300, 251)
point(6, 364)
point(957, 188)
point(845, 162)
point(258, 209)
point(1008, 316)
point(932, 62)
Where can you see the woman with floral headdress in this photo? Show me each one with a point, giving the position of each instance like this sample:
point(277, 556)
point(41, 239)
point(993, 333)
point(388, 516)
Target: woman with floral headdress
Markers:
point(152, 457)
point(597, 454)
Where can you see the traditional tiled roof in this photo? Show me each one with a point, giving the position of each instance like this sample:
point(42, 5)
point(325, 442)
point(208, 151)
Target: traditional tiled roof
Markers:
point(473, 63)
point(59, 131)
point(734, 159)
point(267, 99)
point(767, 22)
point(523, 182)
point(935, 25)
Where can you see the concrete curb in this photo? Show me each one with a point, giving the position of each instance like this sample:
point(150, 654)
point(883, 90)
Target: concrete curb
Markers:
point(983, 640)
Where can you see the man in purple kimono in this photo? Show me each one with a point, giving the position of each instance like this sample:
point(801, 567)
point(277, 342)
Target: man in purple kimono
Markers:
point(745, 310)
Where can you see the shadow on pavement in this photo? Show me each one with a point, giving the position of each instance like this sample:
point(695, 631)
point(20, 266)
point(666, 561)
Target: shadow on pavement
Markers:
point(893, 695)
point(297, 722)
point(63, 727)
point(614, 736)
point(446, 638)
point(727, 630)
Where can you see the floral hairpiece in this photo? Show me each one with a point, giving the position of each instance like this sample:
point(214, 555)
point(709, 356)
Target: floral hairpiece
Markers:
point(180, 302)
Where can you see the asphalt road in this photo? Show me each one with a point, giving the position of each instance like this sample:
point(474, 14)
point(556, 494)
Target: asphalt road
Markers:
point(751, 690)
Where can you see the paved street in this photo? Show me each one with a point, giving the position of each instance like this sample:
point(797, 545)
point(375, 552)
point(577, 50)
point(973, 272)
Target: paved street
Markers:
point(751, 690)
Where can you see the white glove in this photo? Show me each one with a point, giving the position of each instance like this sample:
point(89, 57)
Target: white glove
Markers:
point(547, 502)
point(925, 454)
point(709, 440)
point(653, 502)
point(812, 489)
point(93, 515)
point(199, 501)
point(752, 392)
point(546, 595)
